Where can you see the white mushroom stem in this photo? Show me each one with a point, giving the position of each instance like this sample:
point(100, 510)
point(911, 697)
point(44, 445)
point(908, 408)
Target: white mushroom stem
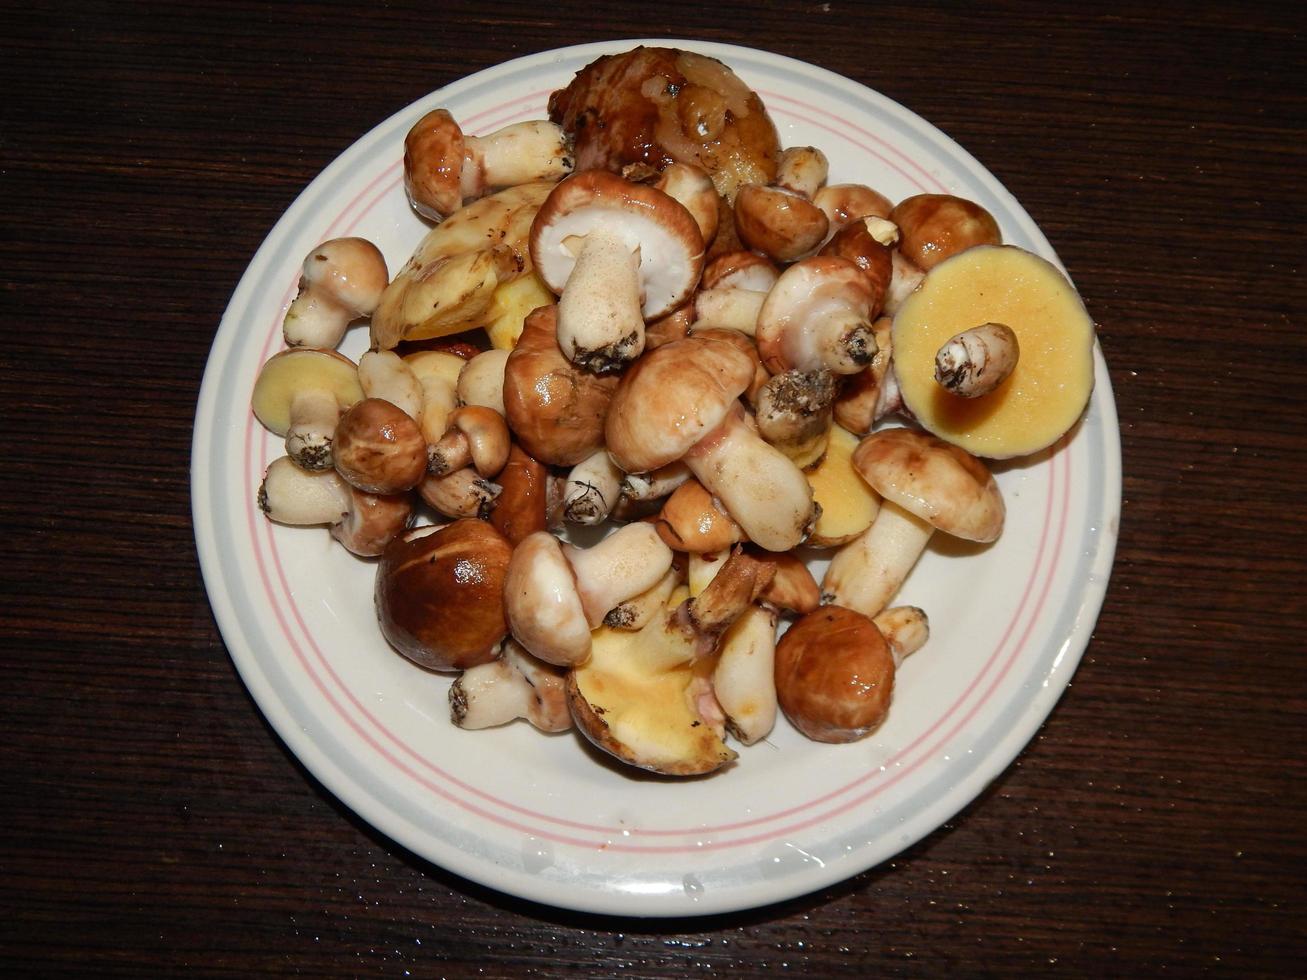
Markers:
point(976, 361)
point(600, 324)
point(626, 563)
point(383, 374)
point(293, 495)
point(594, 486)
point(481, 382)
point(757, 484)
point(905, 628)
point(867, 572)
point(729, 306)
point(635, 612)
point(744, 679)
point(313, 417)
point(516, 154)
point(656, 485)
point(463, 493)
point(516, 685)
point(905, 277)
point(802, 169)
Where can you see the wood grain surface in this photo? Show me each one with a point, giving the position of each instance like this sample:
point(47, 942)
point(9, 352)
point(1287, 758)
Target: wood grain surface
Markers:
point(153, 822)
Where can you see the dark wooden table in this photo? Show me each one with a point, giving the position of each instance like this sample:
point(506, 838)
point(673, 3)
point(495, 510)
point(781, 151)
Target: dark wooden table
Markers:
point(153, 822)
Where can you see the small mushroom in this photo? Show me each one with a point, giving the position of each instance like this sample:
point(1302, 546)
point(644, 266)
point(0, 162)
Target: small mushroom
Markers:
point(905, 628)
point(476, 437)
point(868, 244)
point(926, 484)
point(520, 508)
point(379, 448)
point(481, 381)
point(690, 521)
point(617, 253)
point(515, 685)
point(341, 280)
point(681, 402)
point(818, 315)
point(692, 187)
point(594, 487)
point(556, 594)
point(443, 167)
point(732, 291)
point(462, 493)
point(780, 220)
point(834, 675)
point(384, 374)
point(301, 394)
point(363, 522)
point(656, 485)
point(554, 408)
point(937, 226)
point(843, 203)
point(437, 373)
point(871, 394)
point(976, 361)
point(794, 414)
point(440, 594)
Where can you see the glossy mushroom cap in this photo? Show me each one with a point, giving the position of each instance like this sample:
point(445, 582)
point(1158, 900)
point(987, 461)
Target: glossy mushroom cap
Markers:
point(341, 280)
point(671, 250)
point(671, 398)
point(433, 165)
point(937, 482)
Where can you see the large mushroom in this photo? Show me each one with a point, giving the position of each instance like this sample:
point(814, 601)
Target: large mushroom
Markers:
point(618, 253)
point(681, 401)
point(926, 485)
point(301, 394)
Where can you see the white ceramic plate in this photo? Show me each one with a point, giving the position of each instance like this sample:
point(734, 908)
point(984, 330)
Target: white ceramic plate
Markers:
point(537, 816)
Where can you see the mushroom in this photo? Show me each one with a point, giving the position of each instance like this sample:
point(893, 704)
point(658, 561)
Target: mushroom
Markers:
point(520, 508)
point(363, 522)
point(868, 244)
point(976, 361)
point(872, 393)
point(341, 280)
point(1048, 389)
point(680, 402)
point(476, 436)
point(440, 594)
point(732, 291)
point(594, 487)
point(462, 493)
point(794, 414)
point(555, 408)
point(450, 282)
point(635, 612)
point(556, 594)
point(691, 186)
point(384, 374)
point(617, 253)
point(515, 685)
point(905, 628)
point(818, 315)
point(481, 381)
point(834, 675)
point(926, 484)
point(935, 227)
point(437, 373)
point(656, 485)
point(300, 394)
point(690, 521)
point(745, 345)
point(781, 220)
point(379, 448)
point(905, 277)
point(843, 203)
point(848, 504)
point(645, 697)
point(443, 167)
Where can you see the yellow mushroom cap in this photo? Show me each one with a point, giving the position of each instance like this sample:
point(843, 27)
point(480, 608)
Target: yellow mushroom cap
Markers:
point(1047, 391)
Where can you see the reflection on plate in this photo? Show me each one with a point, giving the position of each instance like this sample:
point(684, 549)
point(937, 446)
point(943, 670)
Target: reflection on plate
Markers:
point(537, 816)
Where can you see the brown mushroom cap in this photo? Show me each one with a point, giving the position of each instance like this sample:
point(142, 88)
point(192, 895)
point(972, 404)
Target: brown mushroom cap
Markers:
point(671, 398)
point(670, 245)
point(937, 226)
point(379, 448)
point(555, 408)
point(938, 482)
point(297, 370)
point(777, 222)
point(834, 675)
point(373, 521)
point(440, 594)
point(433, 165)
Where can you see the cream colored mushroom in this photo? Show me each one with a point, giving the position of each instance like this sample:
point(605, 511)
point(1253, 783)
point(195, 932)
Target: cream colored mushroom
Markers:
point(515, 685)
point(925, 484)
point(481, 382)
point(817, 316)
point(476, 437)
point(301, 394)
point(594, 487)
point(341, 280)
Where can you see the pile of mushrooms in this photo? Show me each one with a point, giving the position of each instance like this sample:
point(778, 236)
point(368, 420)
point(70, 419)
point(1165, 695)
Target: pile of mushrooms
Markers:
point(711, 376)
